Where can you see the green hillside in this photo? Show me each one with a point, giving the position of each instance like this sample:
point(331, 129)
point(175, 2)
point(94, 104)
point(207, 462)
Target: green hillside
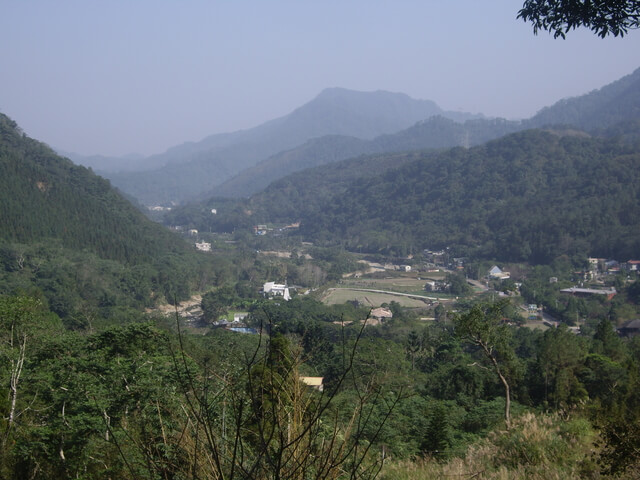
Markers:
point(606, 112)
point(189, 171)
point(302, 192)
point(614, 103)
point(434, 133)
point(44, 196)
point(67, 234)
point(530, 196)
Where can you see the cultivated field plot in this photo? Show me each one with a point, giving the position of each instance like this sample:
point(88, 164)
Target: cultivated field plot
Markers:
point(403, 284)
point(536, 325)
point(374, 299)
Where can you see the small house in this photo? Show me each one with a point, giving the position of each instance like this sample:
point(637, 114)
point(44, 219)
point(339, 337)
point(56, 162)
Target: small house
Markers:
point(630, 329)
point(272, 289)
point(633, 265)
point(497, 274)
point(239, 316)
point(314, 382)
point(381, 314)
point(203, 246)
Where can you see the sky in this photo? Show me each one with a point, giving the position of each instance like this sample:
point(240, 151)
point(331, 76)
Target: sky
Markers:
point(140, 76)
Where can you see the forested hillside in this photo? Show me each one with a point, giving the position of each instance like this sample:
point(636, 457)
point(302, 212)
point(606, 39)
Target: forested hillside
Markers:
point(434, 133)
point(303, 191)
point(467, 392)
point(188, 171)
point(529, 196)
point(71, 237)
point(606, 112)
point(44, 196)
point(142, 402)
point(603, 108)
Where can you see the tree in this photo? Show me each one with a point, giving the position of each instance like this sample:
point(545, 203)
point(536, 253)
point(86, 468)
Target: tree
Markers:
point(277, 427)
point(560, 356)
point(457, 284)
point(603, 17)
point(483, 326)
point(21, 320)
point(440, 313)
point(215, 304)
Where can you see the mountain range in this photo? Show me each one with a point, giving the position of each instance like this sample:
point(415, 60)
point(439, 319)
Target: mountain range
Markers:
point(599, 110)
point(336, 125)
point(358, 189)
point(191, 170)
point(436, 132)
point(535, 193)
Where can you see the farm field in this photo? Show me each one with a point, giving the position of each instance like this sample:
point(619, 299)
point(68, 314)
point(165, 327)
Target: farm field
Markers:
point(402, 284)
point(335, 296)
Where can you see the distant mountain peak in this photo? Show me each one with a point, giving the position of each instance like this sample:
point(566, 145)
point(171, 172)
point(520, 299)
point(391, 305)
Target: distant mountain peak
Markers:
point(341, 92)
point(377, 99)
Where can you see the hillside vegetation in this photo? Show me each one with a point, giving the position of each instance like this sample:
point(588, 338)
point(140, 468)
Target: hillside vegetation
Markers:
point(530, 196)
point(540, 384)
point(242, 163)
point(188, 171)
point(69, 237)
point(138, 401)
point(600, 109)
point(44, 196)
point(433, 133)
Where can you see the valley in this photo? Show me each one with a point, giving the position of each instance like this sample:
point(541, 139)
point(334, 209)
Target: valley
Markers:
point(416, 294)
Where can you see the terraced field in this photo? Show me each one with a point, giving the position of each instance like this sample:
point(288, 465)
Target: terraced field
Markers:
point(407, 290)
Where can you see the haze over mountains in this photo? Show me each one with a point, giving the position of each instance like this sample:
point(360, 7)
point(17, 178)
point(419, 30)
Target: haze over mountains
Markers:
point(53, 204)
point(434, 133)
point(189, 170)
point(530, 195)
point(339, 124)
point(601, 109)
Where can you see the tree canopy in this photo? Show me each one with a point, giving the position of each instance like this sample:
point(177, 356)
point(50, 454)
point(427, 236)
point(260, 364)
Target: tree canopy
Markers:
point(603, 17)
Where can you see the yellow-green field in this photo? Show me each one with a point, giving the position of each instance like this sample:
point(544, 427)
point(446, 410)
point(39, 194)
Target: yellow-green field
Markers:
point(536, 325)
point(374, 299)
point(400, 284)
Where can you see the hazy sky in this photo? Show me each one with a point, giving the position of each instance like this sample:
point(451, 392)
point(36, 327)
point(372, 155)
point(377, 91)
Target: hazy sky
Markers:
point(142, 75)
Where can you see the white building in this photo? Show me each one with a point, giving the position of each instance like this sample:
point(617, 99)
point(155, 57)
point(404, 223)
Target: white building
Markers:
point(203, 246)
point(272, 289)
point(498, 274)
point(240, 316)
point(314, 382)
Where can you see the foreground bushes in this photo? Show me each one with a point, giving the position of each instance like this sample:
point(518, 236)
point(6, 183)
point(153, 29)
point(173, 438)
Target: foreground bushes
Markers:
point(536, 447)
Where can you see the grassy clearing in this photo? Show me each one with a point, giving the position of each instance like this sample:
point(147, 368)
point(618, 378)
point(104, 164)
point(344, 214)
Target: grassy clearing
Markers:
point(538, 447)
point(536, 324)
point(404, 284)
point(373, 299)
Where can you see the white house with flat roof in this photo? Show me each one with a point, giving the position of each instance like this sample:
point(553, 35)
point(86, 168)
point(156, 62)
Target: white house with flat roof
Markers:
point(272, 289)
point(203, 246)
